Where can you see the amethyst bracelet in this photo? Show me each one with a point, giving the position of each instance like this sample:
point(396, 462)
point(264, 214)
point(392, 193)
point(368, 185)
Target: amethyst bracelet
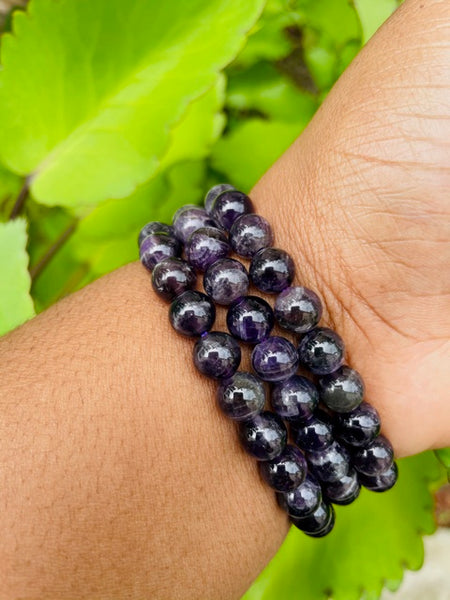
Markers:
point(321, 441)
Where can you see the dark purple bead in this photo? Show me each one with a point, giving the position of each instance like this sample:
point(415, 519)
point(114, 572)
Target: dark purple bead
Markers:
point(359, 427)
point(272, 270)
point(242, 396)
point(192, 313)
point(381, 482)
point(314, 434)
point(319, 524)
point(331, 463)
point(250, 319)
point(275, 359)
point(344, 491)
point(214, 192)
point(249, 234)
point(321, 350)
point(263, 436)
point(205, 246)
point(295, 398)
point(375, 458)
point(154, 227)
point(226, 280)
point(342, 390)
point(171, 277)
point(188, 219)
point(285, 472)
point(298, 309)
point(156, 247)
point(217, 355)
point(230, 205)
point(302, 501)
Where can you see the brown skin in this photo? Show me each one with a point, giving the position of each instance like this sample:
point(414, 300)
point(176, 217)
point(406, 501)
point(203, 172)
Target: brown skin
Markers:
point(119, 477)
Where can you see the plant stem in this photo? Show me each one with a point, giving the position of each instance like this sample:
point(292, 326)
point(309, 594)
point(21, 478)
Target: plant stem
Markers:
point(20, 201)
point(37, 269)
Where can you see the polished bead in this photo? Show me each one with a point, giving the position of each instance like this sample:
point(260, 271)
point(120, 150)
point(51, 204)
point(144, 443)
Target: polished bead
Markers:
point(345, 490)
point(192, 313)
point(321, 350)
point(214, 192)
point(230, 205)
point(342, 390)
point(272, 270)
point(242, 396)
point(331, 463)
point(156, 247)
point(274, 359)
point(250, 319)
point(188, 219)
point(375, 458)
point(226, 280)
point(154, 227)
point(304, 500)
point(285, 472)
point(382, 482)
point(205, 246)
point(298, 309)
point(295, 398)
point(217, 355)
point(249, 233)
point(359, 427)
point(314, 434)
point(171, 277)
point(319, 523)
point(263, 436)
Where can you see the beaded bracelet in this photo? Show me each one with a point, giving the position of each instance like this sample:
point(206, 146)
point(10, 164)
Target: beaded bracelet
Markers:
point(335, 443)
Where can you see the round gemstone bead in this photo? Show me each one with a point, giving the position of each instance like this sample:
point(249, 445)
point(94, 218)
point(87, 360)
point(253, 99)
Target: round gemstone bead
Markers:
point(272, 270)
point(314, 434)
point(381, 482)
point(154, 227)
point(295, 399)
point(331, 463)
point(217, 355)
point(249, 233)
point(230, 205)
point(192, 313)
point(321, 350)
point(344, 491)
point(205, 246)
point(263, 436)
point(242, 396)
point(302, 501)
point(342, 390)
point(319, 523)
point(250, 319)
point(274, 359)
point(156, 247)
point(226, 280)
point(214, 192)
point(285, 472)
point(298, 309)
point(359, 427)
point(375, 458)
point(171, 277)
point(188, 219)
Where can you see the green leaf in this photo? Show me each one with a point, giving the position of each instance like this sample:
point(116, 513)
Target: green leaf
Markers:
point(443, 456)
point(16, 305)
point(373, 14)
point(373, 541)
point(88, 113)
point(9, 184)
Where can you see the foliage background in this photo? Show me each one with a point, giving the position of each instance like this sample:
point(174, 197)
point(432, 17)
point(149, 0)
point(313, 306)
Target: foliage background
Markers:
point(115, 113)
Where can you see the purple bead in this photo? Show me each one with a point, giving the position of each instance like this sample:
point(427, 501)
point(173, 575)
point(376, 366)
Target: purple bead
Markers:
point(285, 472)
point(242, 396)
point(205, 246)
point(192, 313)
point(344, 491)
point(226, 280)
point(230, 205)
point(217, 355)
point(171, 277)
point(302, 501)
point(382, 482)
point(331, 463)
point(359, 427)
point(375, 458)
point(295, 399)
point(263, 436)
point(214, 192)
point(342, 390)
point(314, 434)
point(321, 350)
point(155, 227)
point(156, 247)
point(188, 219)
point(319, 524)
point(272, 270)
point(275, 359)
point(250, 319)
point(298, 309)
point(249, 233)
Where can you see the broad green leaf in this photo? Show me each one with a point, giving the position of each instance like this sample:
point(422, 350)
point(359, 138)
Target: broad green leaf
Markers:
point(336, 20)
point(10, 184)
point(373, 541)
point(88, 113)
point(373, 14)
point(16, 305)
point(443, 455)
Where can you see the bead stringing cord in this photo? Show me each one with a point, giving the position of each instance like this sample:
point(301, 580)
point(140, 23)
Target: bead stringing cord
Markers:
point(330, 445)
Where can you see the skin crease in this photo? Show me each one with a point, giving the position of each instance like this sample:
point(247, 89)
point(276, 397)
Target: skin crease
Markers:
point(119, 477)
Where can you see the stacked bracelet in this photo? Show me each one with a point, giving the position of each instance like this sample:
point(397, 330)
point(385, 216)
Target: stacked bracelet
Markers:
point(335, 443)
